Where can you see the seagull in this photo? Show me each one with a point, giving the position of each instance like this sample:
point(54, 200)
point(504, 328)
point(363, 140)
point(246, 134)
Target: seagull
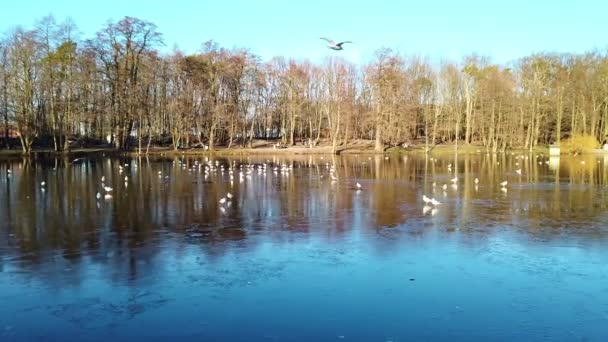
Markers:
point(426, 209)
point(518, 171)
point(223, 200)
point(435, 202)
point(42, 184)
point(98, 196)
point(229, 195)
point(359, 185)
point(107, 189)
point(426, 199)
point(335, 46)
point(504, 184)
point(476, 181)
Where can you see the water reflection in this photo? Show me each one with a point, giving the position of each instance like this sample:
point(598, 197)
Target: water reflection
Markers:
point(175, 197)
point(165, 225)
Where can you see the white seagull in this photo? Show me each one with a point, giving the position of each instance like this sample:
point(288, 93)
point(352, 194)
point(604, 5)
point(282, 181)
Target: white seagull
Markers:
point(336, 46)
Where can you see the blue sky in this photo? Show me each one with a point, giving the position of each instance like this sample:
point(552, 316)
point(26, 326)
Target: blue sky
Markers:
point(504, 30)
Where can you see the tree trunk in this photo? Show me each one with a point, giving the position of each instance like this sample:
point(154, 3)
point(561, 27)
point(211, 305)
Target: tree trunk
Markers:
point(560, 113)
point(212, 137)
point(379, 145)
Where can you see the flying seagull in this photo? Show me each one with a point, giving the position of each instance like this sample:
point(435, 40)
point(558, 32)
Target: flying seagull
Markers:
point(335, 46)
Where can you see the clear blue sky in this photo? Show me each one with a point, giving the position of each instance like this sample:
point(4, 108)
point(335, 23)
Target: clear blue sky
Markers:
point(504, 30)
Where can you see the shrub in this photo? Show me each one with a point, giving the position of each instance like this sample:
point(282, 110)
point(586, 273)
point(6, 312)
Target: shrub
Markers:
point(579, 144)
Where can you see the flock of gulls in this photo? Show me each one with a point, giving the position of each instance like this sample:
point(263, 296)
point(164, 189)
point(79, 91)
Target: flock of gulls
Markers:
point(431, 204)
point(232, 171)
point(242, 171)
point(207, 169)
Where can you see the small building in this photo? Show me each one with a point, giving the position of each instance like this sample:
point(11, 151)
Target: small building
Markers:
point(12, 134)
point(554, 150)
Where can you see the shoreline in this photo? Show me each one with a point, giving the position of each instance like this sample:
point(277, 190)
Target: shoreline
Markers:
point(295, 150)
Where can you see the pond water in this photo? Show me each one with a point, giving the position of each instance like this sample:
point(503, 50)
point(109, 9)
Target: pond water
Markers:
point(300, 252)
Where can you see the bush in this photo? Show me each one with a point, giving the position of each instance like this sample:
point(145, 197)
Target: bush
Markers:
point(579, 144)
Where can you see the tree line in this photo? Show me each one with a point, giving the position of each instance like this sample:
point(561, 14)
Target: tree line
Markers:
point(118, 88)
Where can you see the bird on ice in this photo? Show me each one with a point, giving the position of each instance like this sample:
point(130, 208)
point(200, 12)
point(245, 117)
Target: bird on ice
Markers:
point(336, 46)
point(432, 201)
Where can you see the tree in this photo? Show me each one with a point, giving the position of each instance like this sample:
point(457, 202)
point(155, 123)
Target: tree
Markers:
point(121, 48)
point(25, 74)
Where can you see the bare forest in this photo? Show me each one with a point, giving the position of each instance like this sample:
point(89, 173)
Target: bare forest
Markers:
point(117, 88)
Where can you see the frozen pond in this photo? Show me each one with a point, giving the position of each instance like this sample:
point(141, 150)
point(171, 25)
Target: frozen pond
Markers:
point(296, 255)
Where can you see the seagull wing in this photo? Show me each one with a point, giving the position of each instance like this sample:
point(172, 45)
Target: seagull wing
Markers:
point(348, 41)
point(328, 40)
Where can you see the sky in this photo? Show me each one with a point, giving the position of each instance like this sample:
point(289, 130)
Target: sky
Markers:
point(438, 30)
